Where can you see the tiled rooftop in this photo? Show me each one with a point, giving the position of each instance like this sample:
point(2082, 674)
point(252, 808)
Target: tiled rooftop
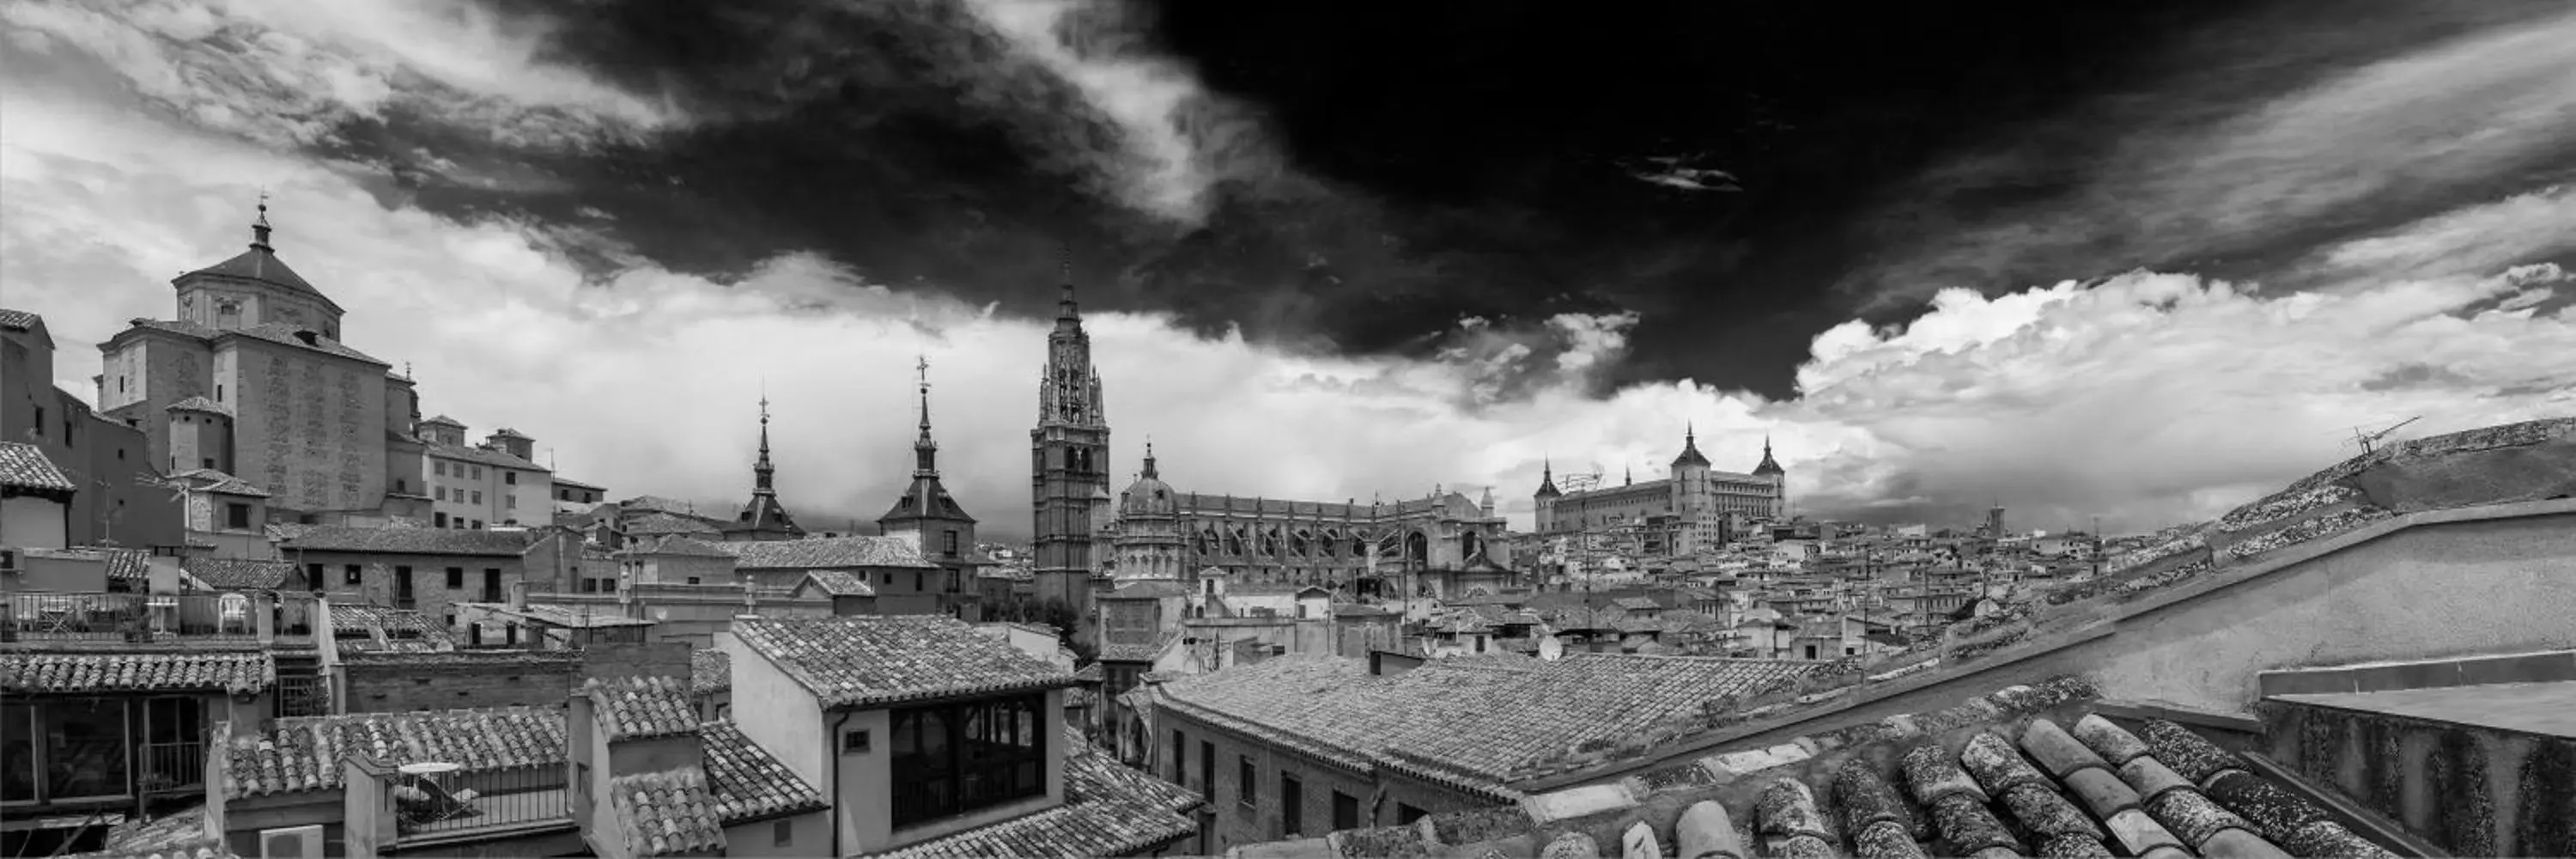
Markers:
point(748, 782)
point(841, 583)
point(673, 545)
point(18, 320)
point(199, 404)
point(2025, 771)
point(1109, 810)
point(301, 754)
point(236, 574)
point(1137, 652)
point(161, 671)
point(411, 541)
point(870, 661)
point(217, 482)
point(657, 522)
point(483, 456)
point(24, 466)
point(667, 813)
point(180, 835)
point(821, 552)
point(635, 708)
point(1472, 723)
point(278, 333)
point(710, 671)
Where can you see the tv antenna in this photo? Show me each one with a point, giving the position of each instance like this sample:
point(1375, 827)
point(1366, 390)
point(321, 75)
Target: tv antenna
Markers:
point(2370, 440)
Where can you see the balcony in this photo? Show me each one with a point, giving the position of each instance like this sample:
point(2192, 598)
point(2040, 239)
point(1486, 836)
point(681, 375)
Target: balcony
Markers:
point(431, 805)
point(51, 617)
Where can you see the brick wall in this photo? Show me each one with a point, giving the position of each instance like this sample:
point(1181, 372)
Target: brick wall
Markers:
point(397, 682)
point(1231, 822)
point(648, 659)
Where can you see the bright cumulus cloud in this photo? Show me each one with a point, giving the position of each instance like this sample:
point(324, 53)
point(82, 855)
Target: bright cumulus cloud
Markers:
point(2145, 399)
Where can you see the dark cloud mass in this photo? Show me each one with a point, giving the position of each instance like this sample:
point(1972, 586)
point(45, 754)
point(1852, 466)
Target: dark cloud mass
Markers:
point(1693, 162)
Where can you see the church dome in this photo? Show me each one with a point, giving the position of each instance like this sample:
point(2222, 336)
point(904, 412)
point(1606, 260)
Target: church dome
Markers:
point(1149, 495)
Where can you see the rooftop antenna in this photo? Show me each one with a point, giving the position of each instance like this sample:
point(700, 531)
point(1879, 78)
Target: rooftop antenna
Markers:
point(2370, 440)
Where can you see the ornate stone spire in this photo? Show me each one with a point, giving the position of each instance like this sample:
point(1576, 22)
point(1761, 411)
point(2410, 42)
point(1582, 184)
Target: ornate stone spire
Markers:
point(1150, 472)
point(1065, 307)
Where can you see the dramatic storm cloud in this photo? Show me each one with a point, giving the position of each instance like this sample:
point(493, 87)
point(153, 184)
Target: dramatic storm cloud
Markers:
point(1407, 250)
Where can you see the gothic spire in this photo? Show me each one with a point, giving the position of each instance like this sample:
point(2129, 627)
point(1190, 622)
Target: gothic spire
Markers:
point(925, 451)
point(1065, 306)
point(761, 470)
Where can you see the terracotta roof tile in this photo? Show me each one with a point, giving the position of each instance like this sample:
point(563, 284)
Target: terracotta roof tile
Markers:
point(860, 661)
point(840, 583)
point(667, 813)
point(1909, 786)
point(168, 671)
point(710, 671)
point(1473, 723)
point(238, 574)
point(170, 836)
point(748, 782)
point(24, 466)
point(18, 320)
point(123, 565)
point(482, 456)
point(260, 264)
point(822, 552)
point(199, 404)
point(658, 522)
point(1109, 810)
point(634, 708)
point(411, 541)
point(673, 545)
point(210, 480)
point(301, 754)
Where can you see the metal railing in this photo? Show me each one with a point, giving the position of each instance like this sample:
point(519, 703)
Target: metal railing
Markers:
point(468, 800)
point(130, 617)
point(301, 694)
point(171, 767)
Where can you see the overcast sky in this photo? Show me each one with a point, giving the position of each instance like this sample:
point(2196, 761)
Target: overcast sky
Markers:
point(2138, 263)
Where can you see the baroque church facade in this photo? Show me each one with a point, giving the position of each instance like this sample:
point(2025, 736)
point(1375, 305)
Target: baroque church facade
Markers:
point(1440, 543)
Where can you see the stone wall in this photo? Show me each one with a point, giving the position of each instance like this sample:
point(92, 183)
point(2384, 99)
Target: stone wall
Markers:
point(309, 428)
point(2474, 791)
point(650, 659)
point(399, 682)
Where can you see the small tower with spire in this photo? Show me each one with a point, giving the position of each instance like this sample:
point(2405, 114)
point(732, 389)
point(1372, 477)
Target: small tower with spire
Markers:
point(1692, 494)
point(933, 518)
point(1778, 477)
point(763, 517)
point(1544, 501)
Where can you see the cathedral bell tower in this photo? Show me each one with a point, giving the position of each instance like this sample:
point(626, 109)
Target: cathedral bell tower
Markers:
point(1069, 458)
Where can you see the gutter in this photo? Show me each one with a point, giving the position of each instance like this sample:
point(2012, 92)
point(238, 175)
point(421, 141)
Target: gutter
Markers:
point(833, 743)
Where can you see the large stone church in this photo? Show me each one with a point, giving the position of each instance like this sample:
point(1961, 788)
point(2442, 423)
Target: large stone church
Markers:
point(250, 380)
point(1442, 542)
